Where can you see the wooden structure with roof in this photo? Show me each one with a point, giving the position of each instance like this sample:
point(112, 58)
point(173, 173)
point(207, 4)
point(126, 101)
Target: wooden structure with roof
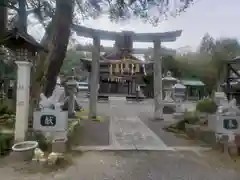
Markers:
point(16, 39)
point(25, 49)
point(120, 72)
point(232, 85)
point(195, 89)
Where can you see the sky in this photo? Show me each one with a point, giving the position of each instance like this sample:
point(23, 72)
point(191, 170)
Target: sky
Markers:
point(220, 18)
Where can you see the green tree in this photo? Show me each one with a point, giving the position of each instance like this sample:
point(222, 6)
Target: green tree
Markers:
point(209, 63)
point(3, 18)
point(169, 63)
point(72, 60)
point(207, 44)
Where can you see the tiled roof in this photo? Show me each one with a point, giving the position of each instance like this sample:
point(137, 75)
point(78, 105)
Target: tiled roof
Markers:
point(192, 83)
point(118, 55)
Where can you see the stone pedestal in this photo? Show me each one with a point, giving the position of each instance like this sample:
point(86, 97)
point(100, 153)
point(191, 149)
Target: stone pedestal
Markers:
point(169, 107)
point(59, 145)
point(22, 99)
point(179, 113)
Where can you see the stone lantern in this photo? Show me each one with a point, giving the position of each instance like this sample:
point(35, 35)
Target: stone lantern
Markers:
point(71, 89)
point(25, 48)
point(179, 92)
point(169, 105)
point(179, 95)
point(168, 82)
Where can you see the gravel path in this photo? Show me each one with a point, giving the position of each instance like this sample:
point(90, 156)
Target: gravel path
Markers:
point(132, 165)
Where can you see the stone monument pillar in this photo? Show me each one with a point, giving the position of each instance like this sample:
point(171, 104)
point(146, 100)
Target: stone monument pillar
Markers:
point(22, 103)
point(94, 81)
point(158, 106)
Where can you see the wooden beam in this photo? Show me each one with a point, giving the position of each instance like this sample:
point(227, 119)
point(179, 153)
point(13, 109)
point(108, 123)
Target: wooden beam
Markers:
point(164, 51)
point(234, 71)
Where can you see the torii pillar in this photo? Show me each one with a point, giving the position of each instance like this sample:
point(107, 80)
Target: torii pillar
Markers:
point(94, 80)
point(157, 78)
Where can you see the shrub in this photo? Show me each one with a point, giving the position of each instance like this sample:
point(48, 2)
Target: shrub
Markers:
point(6, 141)
point(189, 118)
point(206, 106)
point(5, 107)
point(7, 115)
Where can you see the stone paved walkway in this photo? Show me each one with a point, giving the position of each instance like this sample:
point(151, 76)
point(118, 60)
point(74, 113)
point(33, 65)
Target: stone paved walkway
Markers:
point(132, 133)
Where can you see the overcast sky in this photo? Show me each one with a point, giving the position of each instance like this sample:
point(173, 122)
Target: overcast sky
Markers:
point(220, 18)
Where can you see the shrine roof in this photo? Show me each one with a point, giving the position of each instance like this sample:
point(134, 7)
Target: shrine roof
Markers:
point(115, 58)
point(15, 38)
point(119, 55)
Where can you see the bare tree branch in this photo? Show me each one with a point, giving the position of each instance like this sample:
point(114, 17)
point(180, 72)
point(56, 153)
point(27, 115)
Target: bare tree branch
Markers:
point(151, 11)
point(9, 6)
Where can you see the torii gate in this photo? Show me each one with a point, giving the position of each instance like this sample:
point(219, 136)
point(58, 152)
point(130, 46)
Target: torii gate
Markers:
point(127, 37)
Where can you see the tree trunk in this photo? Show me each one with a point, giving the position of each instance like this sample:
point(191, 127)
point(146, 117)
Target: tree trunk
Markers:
point(3, 19)
point(61, 23)
point(3, 25)
point(37, 74)
point(22, 20)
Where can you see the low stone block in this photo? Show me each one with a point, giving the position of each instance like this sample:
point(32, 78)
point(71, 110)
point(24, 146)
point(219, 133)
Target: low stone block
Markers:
point(233, 150)
point(237, 140)
point(59, 145)
point(223, 139)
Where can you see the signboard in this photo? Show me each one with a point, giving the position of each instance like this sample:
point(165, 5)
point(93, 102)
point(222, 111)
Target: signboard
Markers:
point(226, 124)
point(230, 124)
point(50, 120)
